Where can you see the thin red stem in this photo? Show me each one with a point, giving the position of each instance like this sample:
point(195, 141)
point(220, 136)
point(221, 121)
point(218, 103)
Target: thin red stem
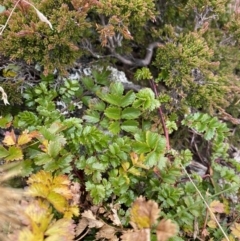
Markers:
point(160, 112)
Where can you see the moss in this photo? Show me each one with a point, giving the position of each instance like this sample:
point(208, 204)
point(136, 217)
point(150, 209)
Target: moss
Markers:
point(27, 38)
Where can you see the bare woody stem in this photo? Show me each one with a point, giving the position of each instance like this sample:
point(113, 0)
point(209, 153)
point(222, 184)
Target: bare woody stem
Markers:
point(137, 62)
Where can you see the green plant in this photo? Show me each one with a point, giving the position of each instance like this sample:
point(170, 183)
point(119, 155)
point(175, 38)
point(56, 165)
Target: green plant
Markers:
point(121, 143)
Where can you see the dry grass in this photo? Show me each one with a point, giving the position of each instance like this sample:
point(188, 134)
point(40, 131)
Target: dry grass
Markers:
point(9, 202)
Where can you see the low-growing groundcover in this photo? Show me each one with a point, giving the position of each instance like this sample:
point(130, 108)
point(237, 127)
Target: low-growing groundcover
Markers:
point(156, 159)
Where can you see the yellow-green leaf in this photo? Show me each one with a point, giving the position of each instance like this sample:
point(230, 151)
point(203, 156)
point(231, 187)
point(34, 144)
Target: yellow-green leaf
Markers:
point(24, 138)
point(58, 201)
point(14, 154)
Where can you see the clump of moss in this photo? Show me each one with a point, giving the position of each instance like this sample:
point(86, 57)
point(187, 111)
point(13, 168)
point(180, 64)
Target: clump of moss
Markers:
point(28, 38)
point(13, 91)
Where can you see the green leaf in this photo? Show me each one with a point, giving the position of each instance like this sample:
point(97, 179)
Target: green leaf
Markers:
point(143, 74)
point(42, 158)
point(146, 100)
point(209, 134)
point(114, 127)
point(3, 152)
point(88, 82)
point(141, 147)
point(130, 126)
point(128, 99)
point(97, 104)
point(98, 166)
point(117, 88)
point(134, 171)
point(14, 154)
point(27, 167)
point(113, 99)
point(97, 192)
point(161, 144)
point(113, 113)
point(152, 159)
point(152, 139)
point(5, 120)
point(162, 162)
point(27, 118)
point(53, 148)
point(130, 113)
point(92, 117)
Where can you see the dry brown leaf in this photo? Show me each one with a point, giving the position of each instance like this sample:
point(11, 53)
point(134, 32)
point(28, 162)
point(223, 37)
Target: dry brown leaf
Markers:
point(236, 230)
point(10, 138)
point(139, 235)
point(43, 18)
point(4, 96)
point(205, 233)
point(114, 217)
point(106, 232)
point(143, 214)
point(217, 207)
point(92, 221)
point(83, 223)
point(165, 230)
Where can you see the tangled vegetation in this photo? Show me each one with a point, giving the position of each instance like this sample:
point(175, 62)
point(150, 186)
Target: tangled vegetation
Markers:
point(156, 158)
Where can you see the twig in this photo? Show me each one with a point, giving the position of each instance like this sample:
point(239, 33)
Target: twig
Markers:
point(81, 237)
point(137, 62)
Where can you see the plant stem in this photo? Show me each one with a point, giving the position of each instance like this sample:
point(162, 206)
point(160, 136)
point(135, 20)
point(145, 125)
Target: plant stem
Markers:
point(160, 112)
